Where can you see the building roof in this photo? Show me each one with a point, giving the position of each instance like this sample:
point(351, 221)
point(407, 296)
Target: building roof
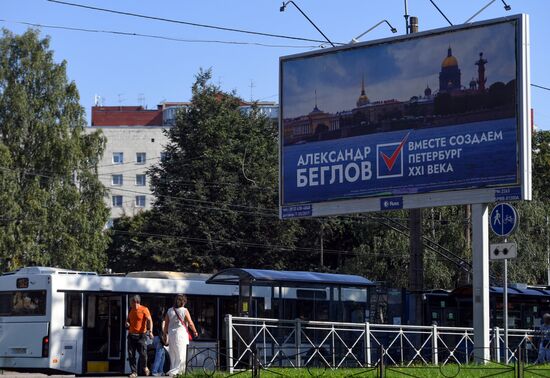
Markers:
point(126, 116)
point(466, 291)
point(27, 270)
point(169, 275)
point(264, 277)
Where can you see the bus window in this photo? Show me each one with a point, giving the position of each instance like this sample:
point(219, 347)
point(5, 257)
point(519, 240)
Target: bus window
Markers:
point(5, 304)
point(73, 310)
point(23, 303)
point(203, 312)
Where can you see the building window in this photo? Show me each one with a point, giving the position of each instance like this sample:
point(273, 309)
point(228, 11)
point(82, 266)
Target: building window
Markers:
point(117, 180)
point(118, 157)
point(140, 180)
point(164, 156)
point(140, 201)
point(141, 157)
point(117, 201)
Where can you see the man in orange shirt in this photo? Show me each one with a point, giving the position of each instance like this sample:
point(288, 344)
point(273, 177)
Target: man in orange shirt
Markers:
point(140, 327)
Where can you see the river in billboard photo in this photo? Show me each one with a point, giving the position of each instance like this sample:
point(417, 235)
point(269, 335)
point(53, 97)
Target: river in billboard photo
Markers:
point(416, 115)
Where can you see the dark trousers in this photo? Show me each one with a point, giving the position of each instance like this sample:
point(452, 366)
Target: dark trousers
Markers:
point(136, 344)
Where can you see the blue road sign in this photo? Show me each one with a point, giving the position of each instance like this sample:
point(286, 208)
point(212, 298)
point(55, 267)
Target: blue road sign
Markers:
point(504, 219)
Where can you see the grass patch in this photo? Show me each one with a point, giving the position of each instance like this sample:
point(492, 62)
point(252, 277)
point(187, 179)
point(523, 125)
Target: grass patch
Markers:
point(425, 371)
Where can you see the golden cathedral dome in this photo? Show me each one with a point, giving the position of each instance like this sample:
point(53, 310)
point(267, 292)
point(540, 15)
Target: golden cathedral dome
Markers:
point(363, 100)
point(450, 60)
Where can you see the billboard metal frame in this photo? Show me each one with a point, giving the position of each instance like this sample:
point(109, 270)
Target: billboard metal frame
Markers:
point(520, 191)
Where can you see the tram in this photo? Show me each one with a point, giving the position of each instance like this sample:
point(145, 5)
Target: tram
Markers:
point(71, 321)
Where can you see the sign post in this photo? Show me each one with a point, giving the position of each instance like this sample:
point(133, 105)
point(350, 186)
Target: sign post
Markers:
point(504, 220)
point(480, 283)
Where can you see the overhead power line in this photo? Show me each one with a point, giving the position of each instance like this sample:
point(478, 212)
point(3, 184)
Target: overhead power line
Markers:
point(540, 87)
point(130, 34)
point(186, 22)
point(242, 243)
point(231, 242)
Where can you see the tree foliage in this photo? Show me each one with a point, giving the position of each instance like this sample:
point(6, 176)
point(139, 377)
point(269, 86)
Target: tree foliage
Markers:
point(52, 205)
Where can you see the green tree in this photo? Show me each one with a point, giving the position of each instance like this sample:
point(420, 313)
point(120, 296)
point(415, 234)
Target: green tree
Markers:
point(125, 251)
point(217, 191)
point(531, 236)
point(541, 165)
point(52, 201)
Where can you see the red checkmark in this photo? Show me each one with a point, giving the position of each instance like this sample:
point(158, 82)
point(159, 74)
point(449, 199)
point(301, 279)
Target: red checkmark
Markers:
point(390, 160)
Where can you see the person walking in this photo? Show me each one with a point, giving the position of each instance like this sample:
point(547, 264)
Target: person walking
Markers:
point(177, 323)
point(158, 343)
point(140, 327)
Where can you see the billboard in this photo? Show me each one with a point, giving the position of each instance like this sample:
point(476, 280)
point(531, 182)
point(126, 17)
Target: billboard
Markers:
point(429, 119)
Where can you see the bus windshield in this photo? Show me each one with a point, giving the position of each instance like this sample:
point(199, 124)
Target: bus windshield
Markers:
point(23, 303)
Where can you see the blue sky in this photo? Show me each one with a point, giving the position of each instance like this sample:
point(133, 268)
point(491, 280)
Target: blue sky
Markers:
point(137, 70)
point(394, 70)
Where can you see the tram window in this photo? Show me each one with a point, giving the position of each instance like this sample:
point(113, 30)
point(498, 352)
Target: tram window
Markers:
point(311, 294)
point(322, 311)
point(354, 312)
point(73, 310)
point(23, 303)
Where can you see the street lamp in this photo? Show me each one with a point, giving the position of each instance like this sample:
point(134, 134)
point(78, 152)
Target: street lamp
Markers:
point(506, 7)
point(356, 39)
point(283, 7)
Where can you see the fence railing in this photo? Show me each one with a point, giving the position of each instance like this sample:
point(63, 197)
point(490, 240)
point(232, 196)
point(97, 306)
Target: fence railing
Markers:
point(298, 343)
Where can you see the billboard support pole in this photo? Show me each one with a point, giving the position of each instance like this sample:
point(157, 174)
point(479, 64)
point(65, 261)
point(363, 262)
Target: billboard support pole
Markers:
point(416, 259)
point(480, 252)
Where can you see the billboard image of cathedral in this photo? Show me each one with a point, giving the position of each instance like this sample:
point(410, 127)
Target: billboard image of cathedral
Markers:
point(451, 102)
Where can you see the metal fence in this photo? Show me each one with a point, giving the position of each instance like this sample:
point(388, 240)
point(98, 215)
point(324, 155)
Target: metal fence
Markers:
point(274, 343)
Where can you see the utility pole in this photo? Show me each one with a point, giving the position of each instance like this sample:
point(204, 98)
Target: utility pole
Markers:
point(416, 260)
point(468, 237)
point(322, 242)
point(406, 15)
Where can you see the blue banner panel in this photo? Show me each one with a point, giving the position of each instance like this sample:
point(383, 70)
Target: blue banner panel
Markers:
point(462, 156)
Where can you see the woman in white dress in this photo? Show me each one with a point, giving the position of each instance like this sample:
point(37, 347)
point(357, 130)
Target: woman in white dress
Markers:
point(177, 324)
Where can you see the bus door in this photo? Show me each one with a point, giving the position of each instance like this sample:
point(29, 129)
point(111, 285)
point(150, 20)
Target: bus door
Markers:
point(104, 334)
